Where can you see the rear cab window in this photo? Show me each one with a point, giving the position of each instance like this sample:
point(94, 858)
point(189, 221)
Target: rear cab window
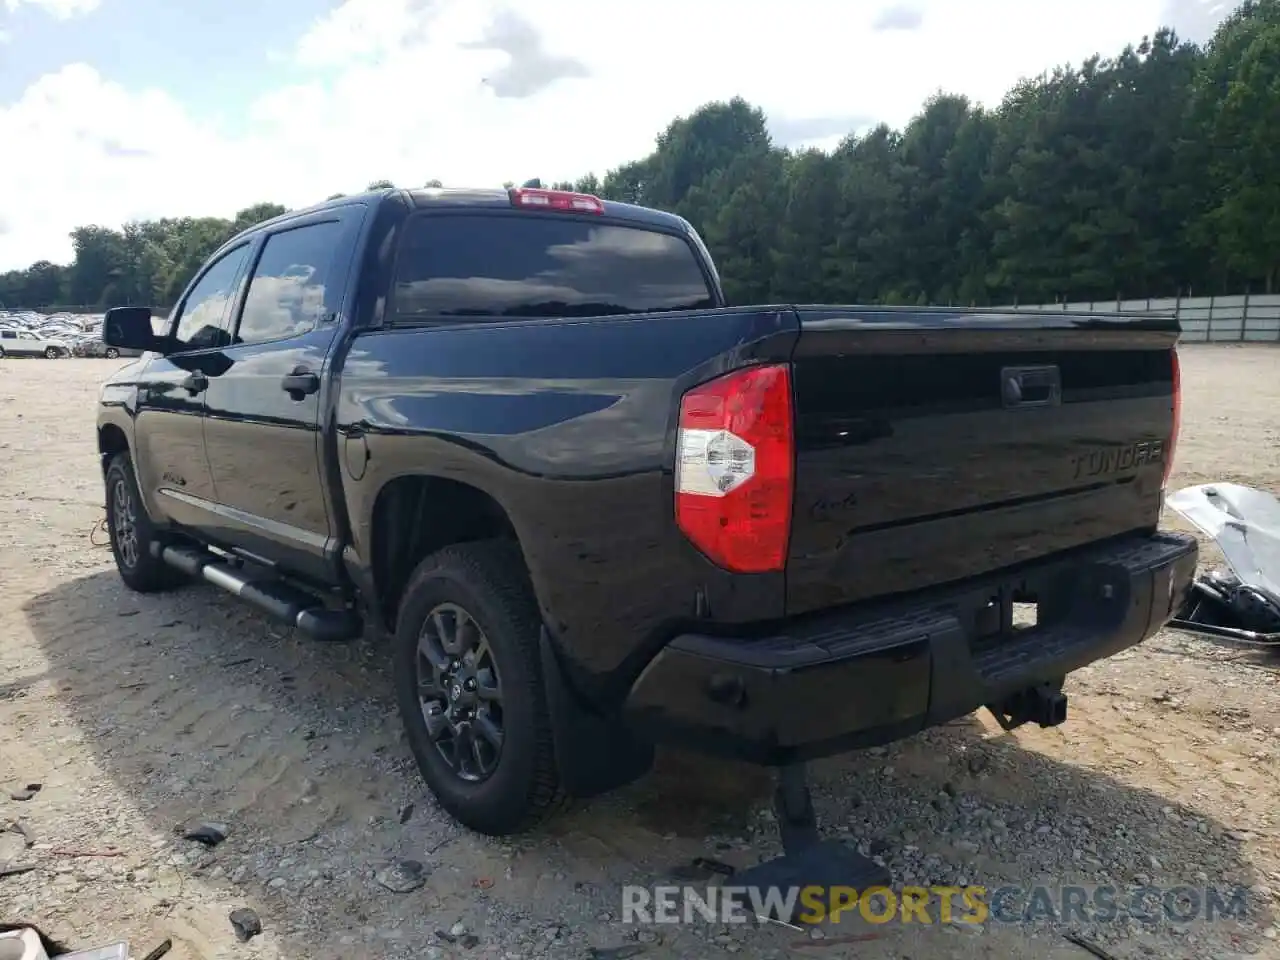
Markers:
point(470, 265)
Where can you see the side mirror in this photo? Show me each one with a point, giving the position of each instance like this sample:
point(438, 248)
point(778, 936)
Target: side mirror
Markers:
point(130, 328)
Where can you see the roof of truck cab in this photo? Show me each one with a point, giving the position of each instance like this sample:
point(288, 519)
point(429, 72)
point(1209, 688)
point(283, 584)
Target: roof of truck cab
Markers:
point(444, 198)
point(499, 198)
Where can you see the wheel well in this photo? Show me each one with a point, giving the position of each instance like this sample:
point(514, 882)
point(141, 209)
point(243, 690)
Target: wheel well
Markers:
point(111, 440)
point(414, 517)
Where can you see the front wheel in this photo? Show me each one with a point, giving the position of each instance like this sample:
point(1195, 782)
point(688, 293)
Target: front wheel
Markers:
point(469, 684)
point(51, 353)
point(131, 533)
point(113, 353)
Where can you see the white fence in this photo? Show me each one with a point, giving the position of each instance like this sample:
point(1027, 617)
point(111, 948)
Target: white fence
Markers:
point(1238, 318)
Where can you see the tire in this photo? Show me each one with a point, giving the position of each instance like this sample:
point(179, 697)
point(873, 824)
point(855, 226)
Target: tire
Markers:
point(138, 569)
point(51, 353)
point(1, 353)
point(486, 582)
point(112, 353)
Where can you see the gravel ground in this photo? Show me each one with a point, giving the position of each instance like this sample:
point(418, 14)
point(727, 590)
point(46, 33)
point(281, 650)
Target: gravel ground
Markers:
point(141, 716)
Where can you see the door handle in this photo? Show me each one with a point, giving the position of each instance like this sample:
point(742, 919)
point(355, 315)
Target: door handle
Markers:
point(301, 383)
point(195, 383)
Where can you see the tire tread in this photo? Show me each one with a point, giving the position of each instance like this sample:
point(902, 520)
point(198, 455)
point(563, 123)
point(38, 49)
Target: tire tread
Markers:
point(495, 569)
point(151, 575)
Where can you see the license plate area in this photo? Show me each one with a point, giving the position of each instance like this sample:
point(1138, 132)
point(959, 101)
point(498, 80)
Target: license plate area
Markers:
point(1011, 611)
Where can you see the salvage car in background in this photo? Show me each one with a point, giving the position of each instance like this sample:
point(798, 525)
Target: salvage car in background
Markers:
point(91, 345)
point(25, 343)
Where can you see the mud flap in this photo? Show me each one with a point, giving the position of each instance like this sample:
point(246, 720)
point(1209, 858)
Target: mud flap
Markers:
point(593, 753)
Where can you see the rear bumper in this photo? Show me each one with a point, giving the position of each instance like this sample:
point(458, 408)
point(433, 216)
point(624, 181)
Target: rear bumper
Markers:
point(848, 679)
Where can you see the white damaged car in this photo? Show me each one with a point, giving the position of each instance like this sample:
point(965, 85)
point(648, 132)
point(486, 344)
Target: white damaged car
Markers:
point(25, 343)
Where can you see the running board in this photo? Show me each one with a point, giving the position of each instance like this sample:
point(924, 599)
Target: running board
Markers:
point(285, 602)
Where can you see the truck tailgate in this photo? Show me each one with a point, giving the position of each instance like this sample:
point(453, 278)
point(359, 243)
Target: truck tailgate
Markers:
point(935, 445)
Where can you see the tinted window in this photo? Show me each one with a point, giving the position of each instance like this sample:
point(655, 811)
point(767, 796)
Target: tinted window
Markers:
point(8, 335)
point(514, 266)
point(286, 295)
point(205, 320)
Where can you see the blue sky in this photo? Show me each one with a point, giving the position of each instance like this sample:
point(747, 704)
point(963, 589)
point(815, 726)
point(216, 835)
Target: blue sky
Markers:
point(112, 110)
point(212, 56)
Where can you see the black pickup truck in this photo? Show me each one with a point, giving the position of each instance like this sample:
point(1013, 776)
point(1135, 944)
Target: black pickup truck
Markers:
point(595, 509)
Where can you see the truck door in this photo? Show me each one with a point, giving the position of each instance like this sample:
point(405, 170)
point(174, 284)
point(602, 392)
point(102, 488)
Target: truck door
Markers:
point(173, 472)
point(262, 427)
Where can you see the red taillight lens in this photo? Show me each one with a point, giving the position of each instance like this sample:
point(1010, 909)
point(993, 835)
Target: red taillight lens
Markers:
point(735, 468)
point(1177, 414)
point(556, 200)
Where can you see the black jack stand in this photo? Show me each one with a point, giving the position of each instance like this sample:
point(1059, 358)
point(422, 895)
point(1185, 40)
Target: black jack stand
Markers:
point(807, 859)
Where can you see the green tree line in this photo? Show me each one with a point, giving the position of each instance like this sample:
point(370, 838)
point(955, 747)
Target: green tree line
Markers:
point(1150, 173)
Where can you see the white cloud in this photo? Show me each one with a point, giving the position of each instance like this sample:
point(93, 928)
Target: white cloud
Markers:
point(899, 17)
point(1196, 20)
point(61, 9)
point(457, 90)
point(362, 30)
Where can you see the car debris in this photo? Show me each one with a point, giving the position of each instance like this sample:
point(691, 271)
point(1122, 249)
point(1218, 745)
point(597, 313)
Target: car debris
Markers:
point(33, 939)
point(624, 952)
point(403, 876)
point(246, 923)
point(34, 944)
point(1088, 946)
point(165, 946)
point(23, 829)
point(1242, 604)
point(208, 834)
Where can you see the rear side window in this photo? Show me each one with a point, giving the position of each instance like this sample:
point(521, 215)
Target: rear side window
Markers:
point(286, 296)
point(540, 266)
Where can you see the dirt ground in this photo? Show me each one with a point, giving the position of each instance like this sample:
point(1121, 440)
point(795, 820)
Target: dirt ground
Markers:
point(141, 715)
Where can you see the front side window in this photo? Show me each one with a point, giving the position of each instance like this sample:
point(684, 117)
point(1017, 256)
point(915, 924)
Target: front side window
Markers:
point(204, 322)
point(542, 266)
point(286, 295)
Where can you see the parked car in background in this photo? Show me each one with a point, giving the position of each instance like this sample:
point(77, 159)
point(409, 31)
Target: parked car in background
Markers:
point(24, 343)
point(91, 345)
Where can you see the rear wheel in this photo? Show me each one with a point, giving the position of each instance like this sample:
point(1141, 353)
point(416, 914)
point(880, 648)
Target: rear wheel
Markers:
point(112, 353)
point(469, 685)
point(132, 533)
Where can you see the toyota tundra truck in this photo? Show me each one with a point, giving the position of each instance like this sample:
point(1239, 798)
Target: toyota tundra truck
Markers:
point(518, 436)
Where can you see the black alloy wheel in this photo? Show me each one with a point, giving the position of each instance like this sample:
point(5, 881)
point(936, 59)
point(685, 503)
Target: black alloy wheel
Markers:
point(460, 692)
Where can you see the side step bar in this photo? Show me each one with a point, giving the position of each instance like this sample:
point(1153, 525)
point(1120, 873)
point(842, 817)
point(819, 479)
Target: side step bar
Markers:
point(285, 602)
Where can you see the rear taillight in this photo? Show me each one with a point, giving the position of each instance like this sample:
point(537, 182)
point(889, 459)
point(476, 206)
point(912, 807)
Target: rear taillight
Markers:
point(1177, 415)
point(735, 468)
point(562, 200)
